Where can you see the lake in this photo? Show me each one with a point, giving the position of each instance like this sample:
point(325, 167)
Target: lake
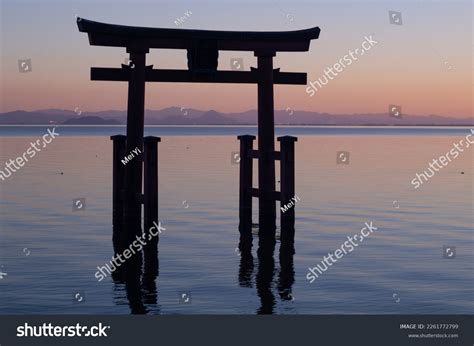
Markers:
point(50, 253)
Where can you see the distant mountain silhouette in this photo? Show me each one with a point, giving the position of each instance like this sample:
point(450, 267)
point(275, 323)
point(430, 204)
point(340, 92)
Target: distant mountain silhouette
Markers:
point(91, 120)
point(184, 116)
point(33, 118)
point(214, 118)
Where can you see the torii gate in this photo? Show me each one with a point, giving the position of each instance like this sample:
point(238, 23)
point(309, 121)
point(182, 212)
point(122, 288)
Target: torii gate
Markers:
point(203, 48)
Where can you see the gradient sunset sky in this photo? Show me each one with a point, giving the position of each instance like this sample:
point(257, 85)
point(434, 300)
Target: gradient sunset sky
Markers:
point(424, 65)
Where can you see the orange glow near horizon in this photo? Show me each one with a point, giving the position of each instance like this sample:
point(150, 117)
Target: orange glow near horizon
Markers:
point(408, 67)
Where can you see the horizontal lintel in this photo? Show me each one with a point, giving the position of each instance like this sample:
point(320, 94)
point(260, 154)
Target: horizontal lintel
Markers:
point(107, 40)
point(186, 76)
point(254, 154)
point(255, 193)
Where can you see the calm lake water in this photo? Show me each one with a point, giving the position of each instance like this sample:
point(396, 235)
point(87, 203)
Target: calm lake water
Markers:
point(51, 252)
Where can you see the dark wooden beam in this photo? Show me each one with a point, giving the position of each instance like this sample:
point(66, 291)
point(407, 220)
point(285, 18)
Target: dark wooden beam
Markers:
point(266, 145)
point(245, 184)
point(165, 43)
point(254, 154)
point(113, 35)
point(150, 203)
point(118, 184)
point(287, 186)
point(186, 76)
point(254, 192)
point(134, 144)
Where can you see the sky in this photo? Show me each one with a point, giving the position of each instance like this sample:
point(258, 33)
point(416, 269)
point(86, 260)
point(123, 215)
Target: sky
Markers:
point(424, 65)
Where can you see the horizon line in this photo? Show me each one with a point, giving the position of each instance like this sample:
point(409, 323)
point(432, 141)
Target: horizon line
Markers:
point(233, 112)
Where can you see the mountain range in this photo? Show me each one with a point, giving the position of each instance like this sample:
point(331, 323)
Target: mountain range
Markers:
point(183, 116)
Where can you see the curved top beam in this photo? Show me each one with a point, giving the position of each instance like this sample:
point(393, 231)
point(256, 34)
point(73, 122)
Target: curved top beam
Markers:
point(103, 34)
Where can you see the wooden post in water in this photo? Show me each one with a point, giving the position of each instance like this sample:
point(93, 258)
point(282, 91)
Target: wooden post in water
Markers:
point(245, 186)
point(118, 175)
point(266, 145)
point(287, 186)
point(150, 198)
point(135, 125)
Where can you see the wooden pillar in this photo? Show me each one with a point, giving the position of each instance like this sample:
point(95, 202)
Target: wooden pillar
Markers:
point(287, 185)
point(118, 175)
point(150, 200)
point(135, 125)
point(245, 186)
point(266, 145)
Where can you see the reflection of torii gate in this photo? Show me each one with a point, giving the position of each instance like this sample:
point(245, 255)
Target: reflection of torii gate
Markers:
point(202, 52)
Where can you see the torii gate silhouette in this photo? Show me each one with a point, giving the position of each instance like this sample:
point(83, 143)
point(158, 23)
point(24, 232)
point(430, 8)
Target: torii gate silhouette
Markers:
point(203, 48)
